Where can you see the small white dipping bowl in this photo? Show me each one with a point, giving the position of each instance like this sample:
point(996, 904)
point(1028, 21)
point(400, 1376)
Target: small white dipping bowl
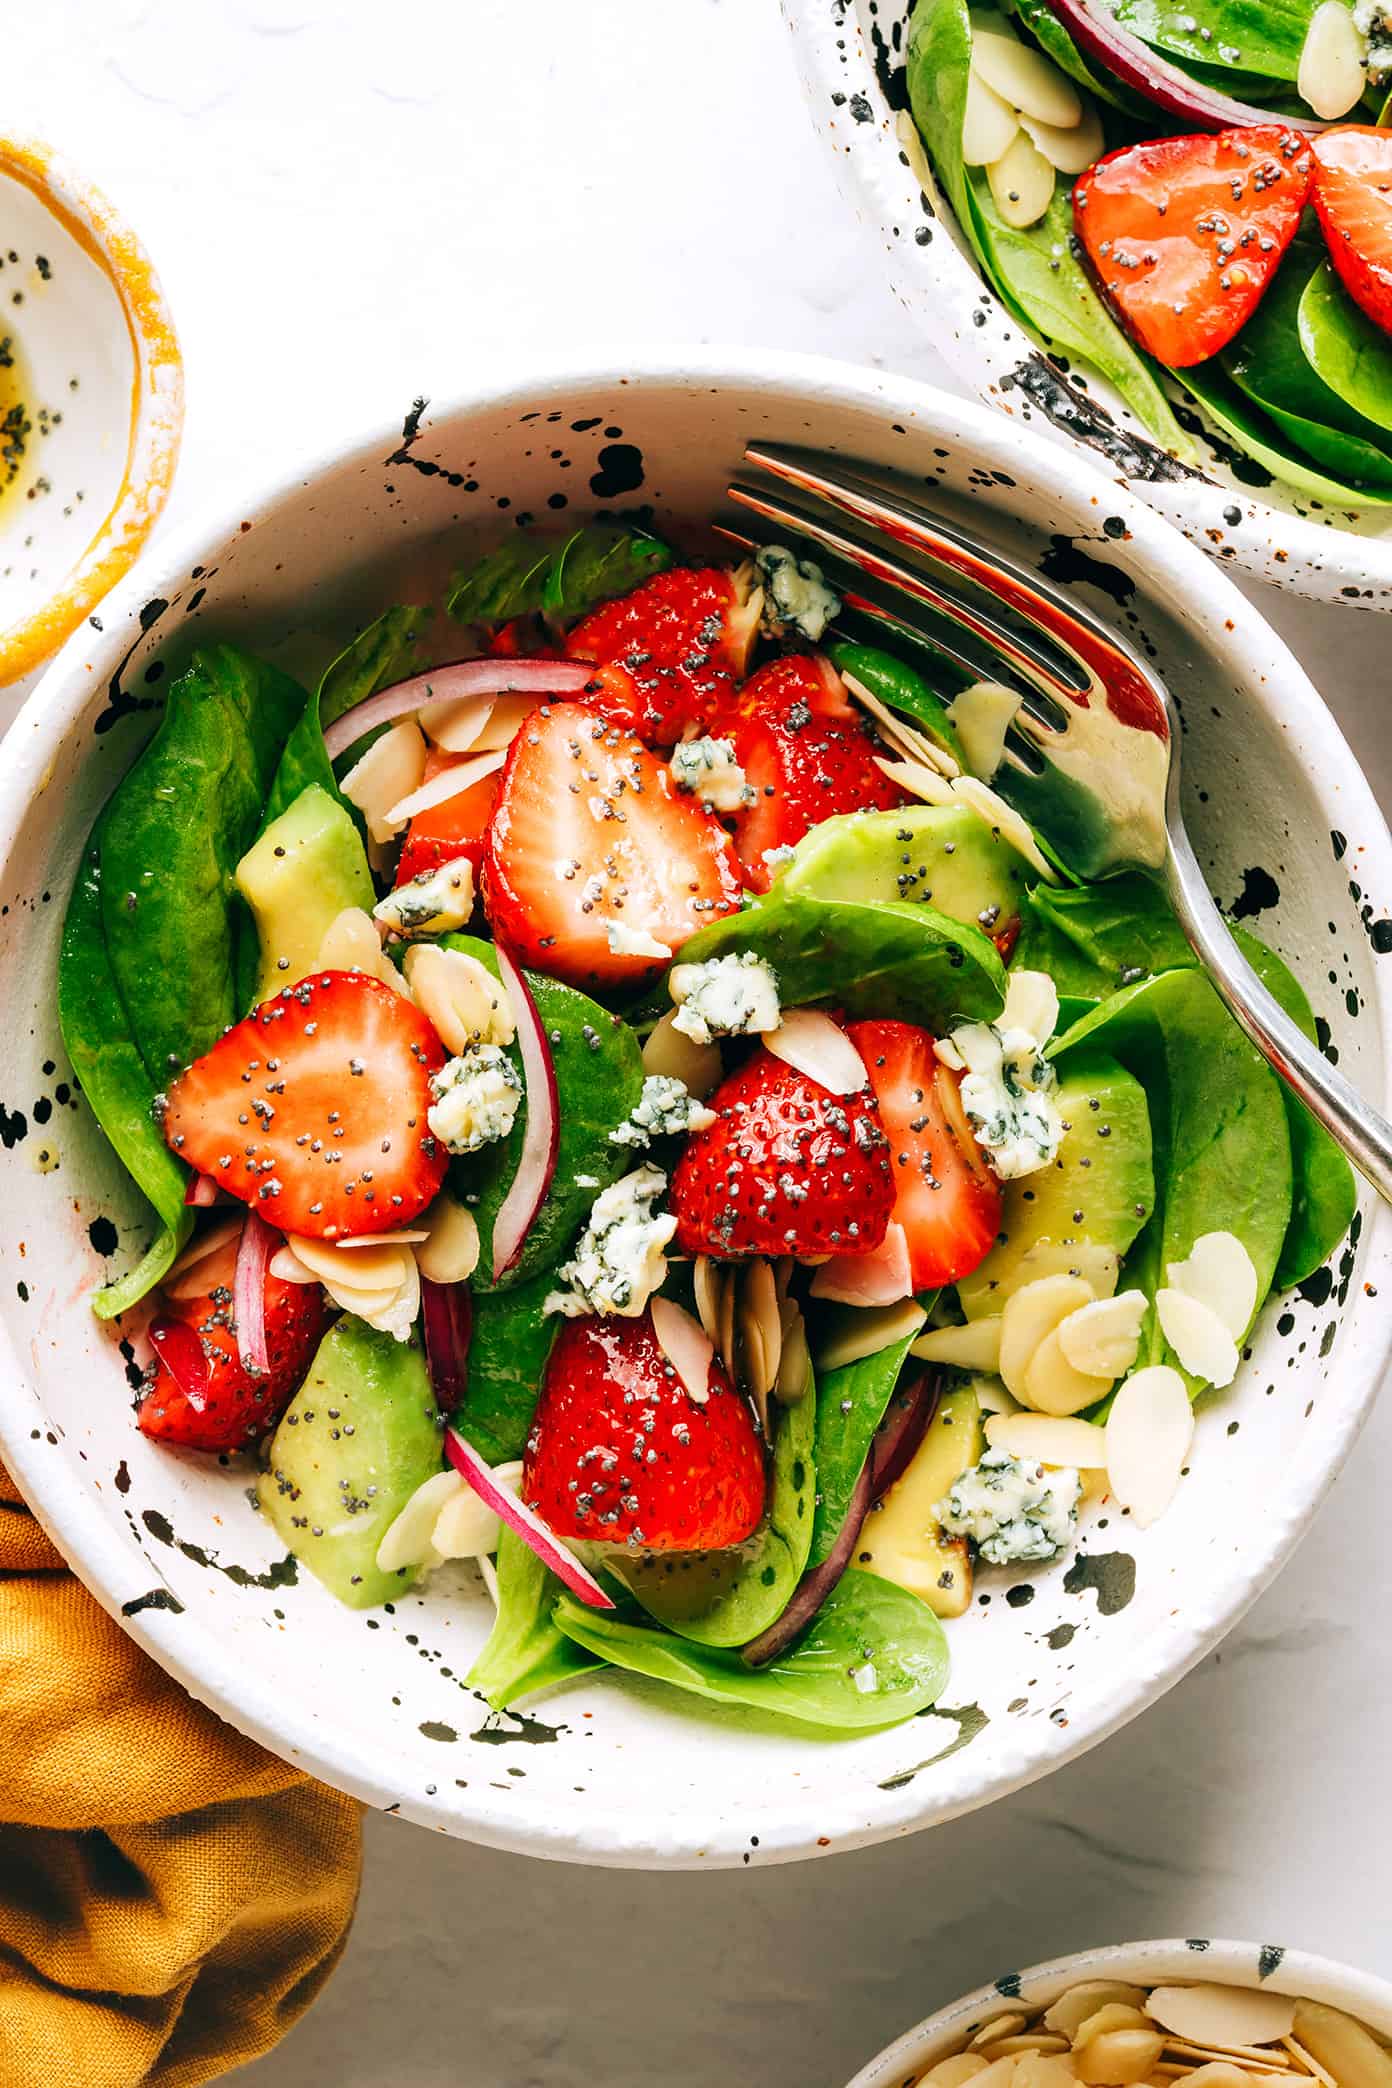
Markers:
point(1183, 1962)
point(626, 1772)
point(91, 401)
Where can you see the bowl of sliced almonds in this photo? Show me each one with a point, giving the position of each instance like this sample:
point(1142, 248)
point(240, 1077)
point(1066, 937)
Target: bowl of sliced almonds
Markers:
point(1148, 2015)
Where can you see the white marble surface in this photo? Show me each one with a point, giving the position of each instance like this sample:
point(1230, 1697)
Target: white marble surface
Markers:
point(350, 203)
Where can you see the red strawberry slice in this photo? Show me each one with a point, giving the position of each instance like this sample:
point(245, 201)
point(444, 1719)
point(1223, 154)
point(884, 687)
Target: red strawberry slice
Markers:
point(946, 1198)
point(1353, 197)
point(679, 641)
point(313, 1108)
point(591, 842)
point(786, 1168)
point(805, 757)
point(620, 1453)
point(1184, 234)
point(456, 828)
point(212, 1403)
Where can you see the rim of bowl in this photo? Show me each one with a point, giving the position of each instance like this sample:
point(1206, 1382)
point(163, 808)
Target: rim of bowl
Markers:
point(1323, 562)
point(157, 399)
point(1296, 1972)
point(613, 1834)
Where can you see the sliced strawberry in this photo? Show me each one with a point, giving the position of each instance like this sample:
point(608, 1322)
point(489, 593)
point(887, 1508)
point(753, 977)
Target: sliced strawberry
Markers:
point(786, 1168)
point(681, 641)
point(455, 828)
point(208, 1401)
point(946, 1198)
point(619, 1452)
point(591, 841)
point(1184, 234)
point(1353, 196)
point(313, 1108)
point(804, 755)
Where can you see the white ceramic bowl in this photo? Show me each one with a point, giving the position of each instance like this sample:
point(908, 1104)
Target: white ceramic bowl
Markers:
point(850, 57)
point(632, 1775)
point(1182, 1960)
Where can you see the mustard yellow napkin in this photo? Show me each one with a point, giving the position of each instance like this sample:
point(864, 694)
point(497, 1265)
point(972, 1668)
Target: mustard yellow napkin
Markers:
point(172, 1898)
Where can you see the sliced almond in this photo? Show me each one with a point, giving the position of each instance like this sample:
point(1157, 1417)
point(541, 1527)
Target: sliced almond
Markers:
point(1198, 1337)
point(669, 1050)
point(686, 1345)
point(1101, 1339)
point(1332, 73)
point(389, 772)
point(1220, 2073)
point(1029, 1315)
point(285, 1265)
point(794, 1362)
point(858, 1334)
point(450, 783)
point(1149, 1431)
point(450, 1250)
point(1040, 2041)
point(1053, 1386)
point(709, 1279)
point(1003, 819)
point(1117, 2058)
point(976, 1346)
point(352, 943)
point(1043, 2069)
point(918, 779)
point(992, 1397)
point(1219, 1272)
point(1022, 76)
point(407, 1236)
point(988, 123)
point(1305, 2061)
point(1004, 2025)
point(725, 1336)
point(474, 724)
point(1046, 1439)
point(819, 1048)
point(406, 1541)
point(1342, 2046)
point(1097, 1266)
point(187, 1278)
point(366, 1269)
point(466, 1527)
point(906, 740)
point(983, 713)
point(1210, 2014)
point(459, 995)
point(1067, 2015)
point(1070, 151)
point(954, 2072)
point(761, 1330)
point(1022, 183)
point(1110, 2015)
point(1031, 1004)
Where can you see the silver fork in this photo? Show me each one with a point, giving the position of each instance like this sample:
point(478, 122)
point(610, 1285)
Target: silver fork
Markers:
point(1092, 756)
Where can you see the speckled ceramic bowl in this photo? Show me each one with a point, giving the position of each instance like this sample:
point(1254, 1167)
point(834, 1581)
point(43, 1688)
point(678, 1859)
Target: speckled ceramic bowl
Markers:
point(619, 1771)
point(91, 401)
point(1183, 1961)
point(850, 56)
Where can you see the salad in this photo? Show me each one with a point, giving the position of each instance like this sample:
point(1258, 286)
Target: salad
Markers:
point(1194, 203)
point(1111, 2033)
point(633, 1108)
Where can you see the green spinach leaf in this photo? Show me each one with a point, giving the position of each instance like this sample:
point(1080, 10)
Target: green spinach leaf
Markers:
point(1344, 348)
point(851, 1404)
point(1245, 36)
point(382, 654)
point(1267, 452)
point(525, 1652)
point(872, 1655)
point(599, 1079)
point(726, 1598)
point(1040, 22)
point(509, 1343)
point(901, 688)
point(562, 579)
point(1267, 363)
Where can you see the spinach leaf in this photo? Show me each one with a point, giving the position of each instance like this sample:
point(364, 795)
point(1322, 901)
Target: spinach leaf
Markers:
point(1034, 272)
point(508, 1346)
point(377, 657)
point(1038, 19)
point(524, 1651)
point(851, 1404)
point(901, 688)
point(1093, 939)
point(1344, 348)
point(1267, 449)
point(726, 1598)
point(562, 579)
point(170, 840)
point(1248, 36)
point(873, 1654)
point(875, 959)
point(116, 1081)
point(1268, 364)
point(599, 1078)
point(1221, 1147)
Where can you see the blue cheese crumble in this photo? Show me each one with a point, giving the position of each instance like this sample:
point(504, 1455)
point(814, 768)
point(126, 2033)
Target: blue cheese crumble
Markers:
point(626, 941)
point(735, 996)
point(1013, 1511)
point(665, 1108)
point(1007, 1083)
point(477, 1097)
point(797, 596)
point(434, 903)
point(708, 769)
point(621, 1256)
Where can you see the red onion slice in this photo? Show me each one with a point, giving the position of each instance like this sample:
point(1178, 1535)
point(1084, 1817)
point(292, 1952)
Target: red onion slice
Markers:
point(448, 1317)
point(537, 1163)
point(254, 1250)
point(447, 684)
point(181, 1352)
point(891, 1447)
point(202, 1190)
point(1097, 33)
point(524, 1522)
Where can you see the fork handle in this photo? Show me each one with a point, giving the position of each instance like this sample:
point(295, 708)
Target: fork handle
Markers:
point(1364, 1134)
